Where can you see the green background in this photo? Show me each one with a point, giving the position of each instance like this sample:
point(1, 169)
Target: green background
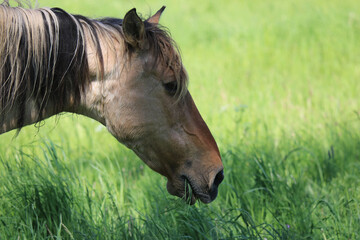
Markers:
point(277, 83)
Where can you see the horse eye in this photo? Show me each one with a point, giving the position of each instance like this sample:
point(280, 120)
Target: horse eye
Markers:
point(171, 87)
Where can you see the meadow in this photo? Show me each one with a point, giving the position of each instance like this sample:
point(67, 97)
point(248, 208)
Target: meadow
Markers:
point(278, 84)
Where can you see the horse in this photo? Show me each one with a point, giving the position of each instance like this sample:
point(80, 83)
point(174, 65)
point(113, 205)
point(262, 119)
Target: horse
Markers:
point(125, 73)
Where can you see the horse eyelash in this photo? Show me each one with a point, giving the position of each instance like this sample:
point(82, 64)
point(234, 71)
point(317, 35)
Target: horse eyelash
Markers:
point(171, 87)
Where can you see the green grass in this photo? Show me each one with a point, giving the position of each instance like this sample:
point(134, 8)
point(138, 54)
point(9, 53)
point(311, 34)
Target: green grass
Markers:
point(278, 84)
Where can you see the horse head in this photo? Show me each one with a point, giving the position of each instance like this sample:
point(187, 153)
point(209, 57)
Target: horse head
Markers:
point(149, 109)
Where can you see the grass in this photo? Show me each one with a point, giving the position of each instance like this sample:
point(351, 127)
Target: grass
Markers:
point(278, 84)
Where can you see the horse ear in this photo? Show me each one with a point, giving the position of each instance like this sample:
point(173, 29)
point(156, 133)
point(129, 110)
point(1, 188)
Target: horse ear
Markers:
point(156, 17)
point(134, 29)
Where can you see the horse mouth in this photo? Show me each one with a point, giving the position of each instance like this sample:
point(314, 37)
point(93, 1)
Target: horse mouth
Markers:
point(192, 193)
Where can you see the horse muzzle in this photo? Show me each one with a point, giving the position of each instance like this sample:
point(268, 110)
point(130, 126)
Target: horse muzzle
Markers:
point(191, 190)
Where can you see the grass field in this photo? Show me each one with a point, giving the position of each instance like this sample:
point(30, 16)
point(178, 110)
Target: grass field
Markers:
point(278, 83)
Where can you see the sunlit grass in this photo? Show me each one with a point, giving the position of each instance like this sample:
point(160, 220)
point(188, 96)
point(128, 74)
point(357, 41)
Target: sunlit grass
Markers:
point(278, 84)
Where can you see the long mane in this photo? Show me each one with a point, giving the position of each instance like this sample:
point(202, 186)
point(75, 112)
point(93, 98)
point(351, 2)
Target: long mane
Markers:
point(43, 56)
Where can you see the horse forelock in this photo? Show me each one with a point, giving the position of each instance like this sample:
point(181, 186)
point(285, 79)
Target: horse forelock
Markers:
point(168, 54)
point(163, 48)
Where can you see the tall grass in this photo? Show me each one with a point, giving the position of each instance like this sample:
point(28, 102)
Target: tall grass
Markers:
point(278, 84)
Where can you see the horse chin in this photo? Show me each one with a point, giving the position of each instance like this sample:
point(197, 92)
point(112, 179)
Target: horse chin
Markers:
point(178, 189)
point(187, 190)
point(192, 192)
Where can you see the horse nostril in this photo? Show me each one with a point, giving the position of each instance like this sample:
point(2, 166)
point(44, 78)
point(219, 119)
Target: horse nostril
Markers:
point(214, 188)
point(219, 178)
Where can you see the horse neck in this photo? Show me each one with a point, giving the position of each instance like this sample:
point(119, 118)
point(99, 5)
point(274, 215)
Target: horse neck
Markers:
point(9, 117)
point(105, 72)
point(90, 105)
point(91, 99)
